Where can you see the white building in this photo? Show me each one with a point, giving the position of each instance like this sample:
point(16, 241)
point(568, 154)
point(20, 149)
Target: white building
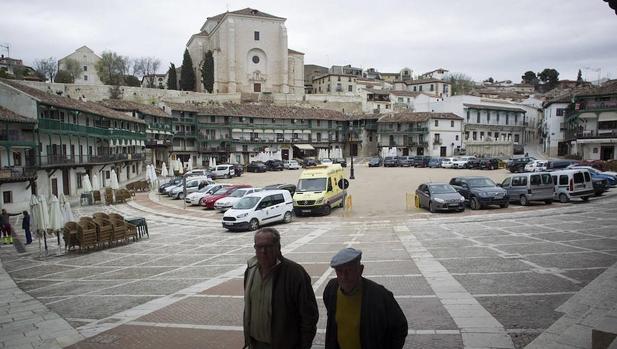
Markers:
point(87, 60)
point(154, 81)
point(437, 74)
point(553, 126)
point(250, 54)
point(434, 87)
point(335, 84)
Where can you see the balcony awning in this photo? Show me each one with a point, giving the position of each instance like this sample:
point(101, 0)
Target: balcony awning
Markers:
point(304, 146)
point(611, 116)
point(596, 140)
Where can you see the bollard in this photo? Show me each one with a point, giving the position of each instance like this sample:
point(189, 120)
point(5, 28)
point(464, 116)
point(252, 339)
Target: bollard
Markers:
point(411, 201)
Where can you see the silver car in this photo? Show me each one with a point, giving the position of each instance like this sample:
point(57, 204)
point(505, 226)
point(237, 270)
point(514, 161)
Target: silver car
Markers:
point(439, 197)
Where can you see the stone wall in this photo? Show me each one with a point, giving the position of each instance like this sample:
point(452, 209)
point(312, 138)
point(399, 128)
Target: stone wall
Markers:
point(490, 149)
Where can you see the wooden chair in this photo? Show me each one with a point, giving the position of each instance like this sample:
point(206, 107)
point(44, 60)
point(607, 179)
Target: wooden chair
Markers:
point(105, 231)
point(120, 230)
point(87, 234)
point(122, 195)
point(131, 230)
point(96, 196)
point(100, 215)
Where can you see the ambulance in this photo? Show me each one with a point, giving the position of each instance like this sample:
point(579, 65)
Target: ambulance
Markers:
point(320, 188)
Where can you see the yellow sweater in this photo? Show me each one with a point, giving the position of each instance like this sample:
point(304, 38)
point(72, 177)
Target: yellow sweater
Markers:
point(348, 309)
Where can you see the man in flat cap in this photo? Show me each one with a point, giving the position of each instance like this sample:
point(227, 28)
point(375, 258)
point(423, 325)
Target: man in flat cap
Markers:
point(280, 310)
point(361, 313)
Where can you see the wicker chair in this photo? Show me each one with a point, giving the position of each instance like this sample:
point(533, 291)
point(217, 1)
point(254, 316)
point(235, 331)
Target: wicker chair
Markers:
point(109, 196)
point(96, 196)
point(100, 215)
point(105, 230)
point(131, 230)
point(70, 235)
point(120, 230)
point(122, 195)
point(87, 234)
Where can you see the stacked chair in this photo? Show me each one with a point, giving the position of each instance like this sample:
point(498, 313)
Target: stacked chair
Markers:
point(99, 231)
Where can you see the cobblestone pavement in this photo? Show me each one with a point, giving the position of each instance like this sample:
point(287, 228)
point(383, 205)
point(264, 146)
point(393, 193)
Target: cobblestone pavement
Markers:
point(476, 281)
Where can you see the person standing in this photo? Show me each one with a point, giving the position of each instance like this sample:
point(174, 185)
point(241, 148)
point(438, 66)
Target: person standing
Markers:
point(25, 225)
point(280, 309)
point(361, 313)
point(5, 226)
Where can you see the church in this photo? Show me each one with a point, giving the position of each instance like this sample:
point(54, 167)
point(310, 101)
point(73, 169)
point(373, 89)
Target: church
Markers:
point(250, 54)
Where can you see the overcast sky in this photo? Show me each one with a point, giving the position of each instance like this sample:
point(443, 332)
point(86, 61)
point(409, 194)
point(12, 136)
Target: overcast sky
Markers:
point(480, 38)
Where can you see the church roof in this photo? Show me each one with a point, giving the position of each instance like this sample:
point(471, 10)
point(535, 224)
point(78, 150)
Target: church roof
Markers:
point(245, 12)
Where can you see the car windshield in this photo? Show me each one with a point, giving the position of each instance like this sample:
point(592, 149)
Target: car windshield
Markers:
point(223, 190)
point(312, 184)
point(441, 189)
point(480, 182)
point(206, 188)
point(239, 193)
point(246, 203)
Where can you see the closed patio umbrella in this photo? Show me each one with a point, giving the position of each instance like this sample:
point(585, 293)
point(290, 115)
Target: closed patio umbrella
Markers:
point(190, 165)
point(114, 180)
point(180, 167)
point(164, 172)
point(65, 207)
point(86, 184)
point(96, 184)
point(56, 219)
point(42, 219)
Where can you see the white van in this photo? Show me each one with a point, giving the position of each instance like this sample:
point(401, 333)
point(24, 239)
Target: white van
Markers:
point(536, 166)
point(572, 183)
point(447, 162)
point(255, 210)
point(224, 171)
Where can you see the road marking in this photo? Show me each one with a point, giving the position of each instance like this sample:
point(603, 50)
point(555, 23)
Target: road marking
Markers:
point(479, 329)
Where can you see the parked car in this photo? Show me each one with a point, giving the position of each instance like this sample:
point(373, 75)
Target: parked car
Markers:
point(600, 186)
point(518, 164)
point(227, 202)
point(462, 161)
point(192, 185)
point(434, 162)
point(326, 161)
point(309, 162)
point(340, 161)
point(255, 210)
point(291, 165)
point(289, 187)
point(196, 197)
point(374, 162)
point(274, 165)
point(473, 163)
point(199, 172)
point(572, 183)
point(238, 169)
point(439, 197)
point(256, 166)
point(209, 201)
point(421, 160)
point(405, 161)
point(223, 171)
point(447, 162)
point(526, 187)
point(489, 164)
point(536, 166)
point(480, 192)
point(173, 182)
point(559, 164)
point(608, 175)
point(390, 161)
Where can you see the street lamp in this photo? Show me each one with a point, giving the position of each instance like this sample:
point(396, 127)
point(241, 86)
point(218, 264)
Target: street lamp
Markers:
point(351, 176)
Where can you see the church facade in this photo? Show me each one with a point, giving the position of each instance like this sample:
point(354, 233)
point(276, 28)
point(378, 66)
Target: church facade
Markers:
point(250, 54)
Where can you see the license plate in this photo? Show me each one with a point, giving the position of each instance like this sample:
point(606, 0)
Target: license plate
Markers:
point(227, 223)
point(306, 211)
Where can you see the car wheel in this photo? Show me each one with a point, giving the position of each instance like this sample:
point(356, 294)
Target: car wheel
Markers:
point(524, 201)
point(431, 207)
point(326, 210)
point(563, 198)
point(254, 224)
point(287, 217)
point(228, 176)
point(474, 204)
point(462, 209)
point(585, 198)
point(181, 196)
point(505, 205)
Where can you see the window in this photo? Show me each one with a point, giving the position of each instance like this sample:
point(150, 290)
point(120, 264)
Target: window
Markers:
point(212, 118)
point(535, 180)
point(349, 88)
point(437, 137)
point(474, 135)
point(451, 123)
point(107, 176)
point(256, 34)
point(419, 88)
point(436, 123)
point(456, 137)
point(414, 89)
point(432, 87)
point(488, 117)
point(468, 115)
point(86, 77)
point(16, 159)
point(85, 68)
point(7, 197)
point(79, 178)
point(563, 180)
point(516, 138)
point(560, 112)
point(318, 137)
point(478, 117)
point(255, 59)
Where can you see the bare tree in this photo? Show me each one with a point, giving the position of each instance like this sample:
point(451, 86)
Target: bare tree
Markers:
point(461, 83)
point(72, 67)
point(146, 67)
point(112, 68)
point(47, 67)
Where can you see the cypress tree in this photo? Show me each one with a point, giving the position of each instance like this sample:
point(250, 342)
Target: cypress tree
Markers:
point(187, 74)
point(207, 72)
point(172, 80)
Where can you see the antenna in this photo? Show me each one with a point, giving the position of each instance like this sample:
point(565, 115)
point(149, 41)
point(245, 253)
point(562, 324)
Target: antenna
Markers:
point(597, 70)
point(8, 49)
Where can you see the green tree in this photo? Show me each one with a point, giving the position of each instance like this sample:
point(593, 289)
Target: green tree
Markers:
point(579, 78)
point(207, 72)
point(461, 83)
point(187, 74)
point(172, 79)
point(112, 68)
point(550, 77)
point(4, 74)
point(46, 67)
point(64, 77)
point(131, 80)
point(530, 78)
point(72, 67)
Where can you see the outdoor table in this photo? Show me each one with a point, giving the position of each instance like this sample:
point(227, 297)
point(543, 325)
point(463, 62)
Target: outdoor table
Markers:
point(86, 199)
point(140, 223)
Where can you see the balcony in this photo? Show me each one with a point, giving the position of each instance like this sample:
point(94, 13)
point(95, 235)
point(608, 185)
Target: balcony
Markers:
point(71, 160)
point(16, 173)
point(155, 143)
point(591, 134)
point(403, 131)
point(185, 134)
point(595, 105)
point(87, 131)
point(158, 127)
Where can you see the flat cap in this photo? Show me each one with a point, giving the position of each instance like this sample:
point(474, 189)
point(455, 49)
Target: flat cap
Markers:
point(345, 256)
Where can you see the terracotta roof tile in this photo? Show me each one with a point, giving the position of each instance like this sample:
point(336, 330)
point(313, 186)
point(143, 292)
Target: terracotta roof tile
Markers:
point(182, 106)
point(9, 116)
point(493, 107)
point(122, 105)
point(69, 103)
point(271, 111)
point(245, 12)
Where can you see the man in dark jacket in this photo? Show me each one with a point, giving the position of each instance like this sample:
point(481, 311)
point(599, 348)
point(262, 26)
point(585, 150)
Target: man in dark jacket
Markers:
point(361, 313)
point(280, 310)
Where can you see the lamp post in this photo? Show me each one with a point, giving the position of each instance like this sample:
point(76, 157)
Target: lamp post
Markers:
point(351, 175)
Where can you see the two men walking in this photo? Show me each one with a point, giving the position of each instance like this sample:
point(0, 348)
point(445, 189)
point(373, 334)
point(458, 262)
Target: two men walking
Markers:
point(280, 310)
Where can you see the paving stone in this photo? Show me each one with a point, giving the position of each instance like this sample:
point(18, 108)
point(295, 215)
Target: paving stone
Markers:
point(149, 287)
point(538, 312)
point(130, 260)
point(577, 260)
point(233, 287)
point(38, 271)
point(457, 242)
point(426, 313)
point(450, 341)
point(585, 276)
point(462, 252)
point(228, 259)
point(390, 268)
point(480, 265)
point(559, 236)
point(539, 247)
point(28, 285)
point(73, 287)
point(596, 244)
point(79, 273)
point(515, 283)
point(131, 273)
point(179, 260)
point(96, 307)
point(200, 311)
point(196, 272)
point(521, 339)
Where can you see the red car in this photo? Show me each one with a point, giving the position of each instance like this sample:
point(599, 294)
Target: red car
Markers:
point(208, 201)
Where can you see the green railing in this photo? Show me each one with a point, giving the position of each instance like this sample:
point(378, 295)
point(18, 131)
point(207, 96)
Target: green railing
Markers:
point(80, 130)
point(405, 131)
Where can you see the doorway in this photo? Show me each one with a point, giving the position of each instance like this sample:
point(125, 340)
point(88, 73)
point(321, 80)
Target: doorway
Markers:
point(65, 182)
point(405, 151)
point(54, 186)
point(285, 154)
point(607, 153)
point(256, 87)
point(443, 151)
point(419, 151)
